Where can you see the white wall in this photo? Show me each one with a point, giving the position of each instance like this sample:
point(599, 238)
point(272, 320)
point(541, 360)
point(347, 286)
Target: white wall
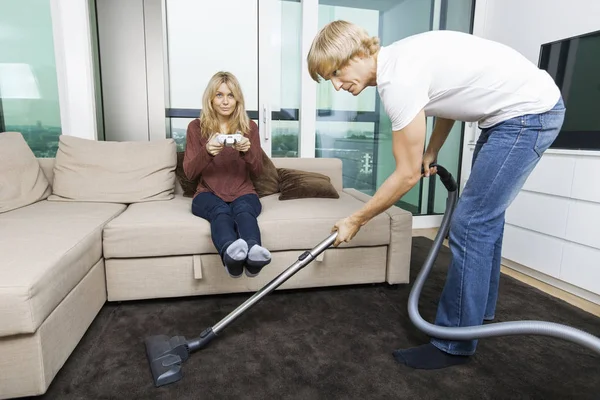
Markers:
point(124, 75)
point(553, 227)
point(74, 67)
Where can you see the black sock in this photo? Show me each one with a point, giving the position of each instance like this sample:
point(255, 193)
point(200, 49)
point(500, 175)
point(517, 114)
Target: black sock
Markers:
point(428, 356)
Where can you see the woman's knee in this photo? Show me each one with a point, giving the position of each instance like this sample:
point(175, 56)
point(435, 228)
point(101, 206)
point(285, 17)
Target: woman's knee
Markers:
point(249, 204)
point(220, 212)
point(209, 206)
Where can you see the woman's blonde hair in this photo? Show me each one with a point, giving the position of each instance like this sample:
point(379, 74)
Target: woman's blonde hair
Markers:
point(335, 45)
point(238, 120)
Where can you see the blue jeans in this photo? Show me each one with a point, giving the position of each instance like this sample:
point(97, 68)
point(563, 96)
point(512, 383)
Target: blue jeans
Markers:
point(229, 221)
point(504, 157)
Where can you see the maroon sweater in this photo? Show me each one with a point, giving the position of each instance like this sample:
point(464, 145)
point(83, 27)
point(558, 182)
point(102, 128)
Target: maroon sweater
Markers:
point(228, 173)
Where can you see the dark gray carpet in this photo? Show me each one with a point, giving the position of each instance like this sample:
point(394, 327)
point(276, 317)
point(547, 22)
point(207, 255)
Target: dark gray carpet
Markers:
point(330, 343)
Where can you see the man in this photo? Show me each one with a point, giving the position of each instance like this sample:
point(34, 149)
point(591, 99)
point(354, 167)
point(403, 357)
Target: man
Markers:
point(520, 111)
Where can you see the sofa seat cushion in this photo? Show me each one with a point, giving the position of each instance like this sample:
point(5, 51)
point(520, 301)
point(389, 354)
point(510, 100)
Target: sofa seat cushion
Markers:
point(167, 228)
point(45, 251)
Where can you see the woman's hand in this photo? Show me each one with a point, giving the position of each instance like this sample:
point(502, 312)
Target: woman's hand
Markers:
point(213, 146)
point(346, 228)
point(243, 145)
point(428, 158)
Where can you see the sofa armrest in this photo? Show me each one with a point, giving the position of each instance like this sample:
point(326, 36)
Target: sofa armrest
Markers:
point(399, 251)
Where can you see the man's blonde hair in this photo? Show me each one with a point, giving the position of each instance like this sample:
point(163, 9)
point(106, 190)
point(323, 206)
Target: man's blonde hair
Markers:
point(335, 45)
point(238, 121)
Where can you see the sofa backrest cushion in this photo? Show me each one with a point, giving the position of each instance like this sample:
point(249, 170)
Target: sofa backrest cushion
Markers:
point(22, 181)
point(47, 165)
point(332, 167)
point(113, 172)
point(188, 187)
point(297, 184)
point(267, 183)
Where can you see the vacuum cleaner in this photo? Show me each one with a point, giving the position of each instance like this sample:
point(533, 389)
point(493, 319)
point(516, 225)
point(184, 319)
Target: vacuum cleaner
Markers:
point(167, 354)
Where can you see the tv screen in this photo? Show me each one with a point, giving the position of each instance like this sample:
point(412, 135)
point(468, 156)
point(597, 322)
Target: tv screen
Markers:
point(574, 63)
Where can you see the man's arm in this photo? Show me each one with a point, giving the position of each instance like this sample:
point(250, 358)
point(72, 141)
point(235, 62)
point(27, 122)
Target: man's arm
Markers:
point(441, 129)
point(407, 147)
point(439, 135)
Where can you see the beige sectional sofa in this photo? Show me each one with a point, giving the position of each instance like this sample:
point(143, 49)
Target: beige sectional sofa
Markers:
point(62, 258)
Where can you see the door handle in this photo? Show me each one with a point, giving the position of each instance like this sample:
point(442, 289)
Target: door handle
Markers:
point(267, 120)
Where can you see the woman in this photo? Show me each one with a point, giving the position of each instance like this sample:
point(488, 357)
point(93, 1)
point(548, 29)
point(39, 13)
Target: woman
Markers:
point(225, 195)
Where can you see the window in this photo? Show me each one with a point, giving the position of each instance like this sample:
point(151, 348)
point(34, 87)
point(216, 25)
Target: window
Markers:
point(28, 84)
point(265, 45)
point(356, 129)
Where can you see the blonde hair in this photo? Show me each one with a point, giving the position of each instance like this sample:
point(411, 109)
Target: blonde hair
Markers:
point(238, 120)
point(335, 45)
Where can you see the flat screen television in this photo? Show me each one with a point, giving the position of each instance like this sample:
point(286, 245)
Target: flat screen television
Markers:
point(574, 63)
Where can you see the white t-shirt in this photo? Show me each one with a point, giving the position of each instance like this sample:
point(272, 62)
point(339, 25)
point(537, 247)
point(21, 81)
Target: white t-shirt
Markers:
point(462, 77)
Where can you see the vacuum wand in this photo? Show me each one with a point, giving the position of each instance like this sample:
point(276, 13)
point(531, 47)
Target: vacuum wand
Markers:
point(166, 354)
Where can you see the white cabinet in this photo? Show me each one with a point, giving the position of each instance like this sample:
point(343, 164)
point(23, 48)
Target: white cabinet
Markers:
point(581, 267)
point(532, 249)
point(539, 212)
point(553, 226)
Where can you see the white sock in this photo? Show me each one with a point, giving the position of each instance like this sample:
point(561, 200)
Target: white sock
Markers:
point(259, 254)
point(238, 250)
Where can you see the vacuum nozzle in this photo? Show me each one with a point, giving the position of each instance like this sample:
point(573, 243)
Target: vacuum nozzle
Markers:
point(165, 356)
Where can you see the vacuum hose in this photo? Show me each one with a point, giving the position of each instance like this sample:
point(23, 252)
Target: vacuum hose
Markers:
point(490, 330)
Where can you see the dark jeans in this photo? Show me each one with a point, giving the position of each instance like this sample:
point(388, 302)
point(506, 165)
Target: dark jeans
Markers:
point(229, 221)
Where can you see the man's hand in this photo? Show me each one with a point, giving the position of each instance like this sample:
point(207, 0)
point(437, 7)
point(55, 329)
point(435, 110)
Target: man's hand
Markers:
point(213, 146)
point(407, 148)
point(243, 145)
point(428, 158)
point(346, 228)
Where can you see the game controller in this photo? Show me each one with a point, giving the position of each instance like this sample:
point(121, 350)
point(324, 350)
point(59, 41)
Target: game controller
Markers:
point(229, 140)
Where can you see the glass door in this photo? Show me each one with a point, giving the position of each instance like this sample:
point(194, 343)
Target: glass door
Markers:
point(280, 63)
point(202, 38)
point(259, 43)
point(356, 129)
point(455, 15)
